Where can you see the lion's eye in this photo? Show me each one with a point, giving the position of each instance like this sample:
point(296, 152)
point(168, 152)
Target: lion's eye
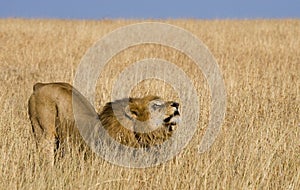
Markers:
point(156, 106)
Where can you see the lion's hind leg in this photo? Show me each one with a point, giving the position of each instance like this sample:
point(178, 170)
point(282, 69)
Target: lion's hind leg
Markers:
point(43, 126)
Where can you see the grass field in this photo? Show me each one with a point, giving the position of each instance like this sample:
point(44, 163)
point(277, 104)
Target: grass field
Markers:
point(258, 146)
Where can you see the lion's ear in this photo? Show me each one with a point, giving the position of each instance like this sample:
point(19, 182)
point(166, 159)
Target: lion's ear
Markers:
point(131, 113)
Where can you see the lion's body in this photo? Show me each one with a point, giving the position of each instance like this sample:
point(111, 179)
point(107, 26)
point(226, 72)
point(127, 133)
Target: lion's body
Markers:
point(134, 122)
point(51, 114)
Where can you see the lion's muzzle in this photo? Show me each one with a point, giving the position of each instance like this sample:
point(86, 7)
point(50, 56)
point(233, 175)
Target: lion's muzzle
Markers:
point(172, 120)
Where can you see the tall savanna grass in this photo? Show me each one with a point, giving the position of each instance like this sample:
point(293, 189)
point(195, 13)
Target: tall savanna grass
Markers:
point(258, 146)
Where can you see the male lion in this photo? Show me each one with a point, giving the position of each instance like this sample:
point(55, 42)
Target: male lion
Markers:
point(134, 122)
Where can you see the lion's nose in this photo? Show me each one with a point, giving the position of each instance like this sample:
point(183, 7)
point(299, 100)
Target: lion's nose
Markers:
point(175, 104)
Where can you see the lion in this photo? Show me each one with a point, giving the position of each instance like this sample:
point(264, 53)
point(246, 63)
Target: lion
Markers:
point(133, 122)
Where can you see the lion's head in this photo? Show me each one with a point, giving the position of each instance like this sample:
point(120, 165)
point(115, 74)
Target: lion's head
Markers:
point(140, 122)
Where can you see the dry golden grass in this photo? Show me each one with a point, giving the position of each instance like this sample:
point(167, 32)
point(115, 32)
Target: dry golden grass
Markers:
point(257, 148)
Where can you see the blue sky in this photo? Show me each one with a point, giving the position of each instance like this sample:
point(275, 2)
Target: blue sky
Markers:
point(99, 9)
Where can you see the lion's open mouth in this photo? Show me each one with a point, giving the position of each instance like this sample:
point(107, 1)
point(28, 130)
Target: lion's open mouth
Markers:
point(168, 119)
point(171, 121)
